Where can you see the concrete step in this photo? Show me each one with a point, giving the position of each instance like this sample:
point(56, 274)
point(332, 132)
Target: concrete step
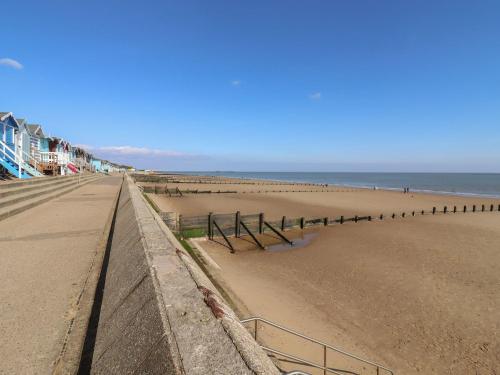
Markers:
point(37, 190)
point(32, 181)
point(19, 207)
point(42, 184)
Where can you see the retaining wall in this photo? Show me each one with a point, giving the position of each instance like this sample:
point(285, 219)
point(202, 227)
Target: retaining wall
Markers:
point(160, 314)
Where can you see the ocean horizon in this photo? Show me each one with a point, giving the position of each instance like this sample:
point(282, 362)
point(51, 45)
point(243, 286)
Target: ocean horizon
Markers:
point(467, 184)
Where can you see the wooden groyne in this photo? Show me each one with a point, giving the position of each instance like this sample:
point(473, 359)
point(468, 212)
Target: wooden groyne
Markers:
point(229, 224)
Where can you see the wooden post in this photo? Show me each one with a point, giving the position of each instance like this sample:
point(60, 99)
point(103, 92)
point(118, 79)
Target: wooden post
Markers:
point(237, 226)
point(355, 218)
point(474, 208)
point(445, 209)
point(210, 229)
point(465, 209)
point(413, 213)
point(433, 210)
point(491, 208)
point(325, 221)
point(283, 223)
point(302, 221)
point(454, 209)
point(499, 207)
point(381, 216)
point(261, 223)
point(369, 218)
point(423, 212)
point(482, 208)
point(342, 219)
point(403, 214)
point(393, 215)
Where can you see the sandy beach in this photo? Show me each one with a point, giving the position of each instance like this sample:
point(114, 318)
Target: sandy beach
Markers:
point(419, 295)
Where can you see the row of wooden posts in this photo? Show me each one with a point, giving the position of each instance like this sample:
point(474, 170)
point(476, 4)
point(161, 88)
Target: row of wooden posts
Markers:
point(262, 223)
point(177, 192)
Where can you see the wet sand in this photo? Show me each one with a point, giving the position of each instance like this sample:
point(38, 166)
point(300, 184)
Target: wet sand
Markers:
point(420, 295)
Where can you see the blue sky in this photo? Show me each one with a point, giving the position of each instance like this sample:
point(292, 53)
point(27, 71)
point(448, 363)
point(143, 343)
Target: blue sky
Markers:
point(261, 85)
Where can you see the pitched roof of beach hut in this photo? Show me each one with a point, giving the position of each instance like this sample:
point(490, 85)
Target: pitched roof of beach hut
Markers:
point(6, 116)
point(21, 121)
point(35, 130)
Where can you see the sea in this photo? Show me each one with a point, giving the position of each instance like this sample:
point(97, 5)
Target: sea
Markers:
point(469, 184)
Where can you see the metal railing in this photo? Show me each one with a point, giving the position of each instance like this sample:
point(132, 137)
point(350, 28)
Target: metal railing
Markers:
point(31, 160)
point(378, 368)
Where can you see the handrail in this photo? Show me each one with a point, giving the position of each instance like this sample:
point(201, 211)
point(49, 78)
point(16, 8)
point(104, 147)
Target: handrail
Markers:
point(14, 159)
point(325, 346)
point(300, 360)
point(54, 156)
point(17, 159)
point(35, 165)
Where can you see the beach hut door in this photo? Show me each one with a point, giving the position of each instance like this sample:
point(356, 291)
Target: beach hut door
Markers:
point(9, 139)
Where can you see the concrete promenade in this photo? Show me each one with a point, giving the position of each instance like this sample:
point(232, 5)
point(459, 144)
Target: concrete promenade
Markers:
point(45, 256)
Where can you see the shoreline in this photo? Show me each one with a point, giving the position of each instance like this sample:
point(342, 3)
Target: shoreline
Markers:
point(353, 186)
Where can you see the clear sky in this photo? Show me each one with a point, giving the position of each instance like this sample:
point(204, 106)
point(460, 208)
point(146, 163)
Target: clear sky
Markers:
point(261, 85)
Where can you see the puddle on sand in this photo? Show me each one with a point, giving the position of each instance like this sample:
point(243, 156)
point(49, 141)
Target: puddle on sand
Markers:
point(298, 242)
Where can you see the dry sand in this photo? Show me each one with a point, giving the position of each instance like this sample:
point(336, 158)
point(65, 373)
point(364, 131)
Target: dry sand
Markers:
point(420, 295)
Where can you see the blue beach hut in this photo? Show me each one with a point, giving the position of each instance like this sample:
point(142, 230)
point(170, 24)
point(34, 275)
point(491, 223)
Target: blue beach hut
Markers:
point(8, 154)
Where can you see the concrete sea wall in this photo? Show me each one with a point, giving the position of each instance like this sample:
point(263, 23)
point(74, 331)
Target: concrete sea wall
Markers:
point(160, 314)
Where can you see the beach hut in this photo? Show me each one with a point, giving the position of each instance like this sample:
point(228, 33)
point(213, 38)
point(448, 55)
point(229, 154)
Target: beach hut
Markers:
point(9, 159)
point(97, 165)
point(23, 142)
point(53, 155)
point(36, 135)
point(81, 158)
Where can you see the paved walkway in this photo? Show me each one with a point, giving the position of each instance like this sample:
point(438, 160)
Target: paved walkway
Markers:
point(45, 254)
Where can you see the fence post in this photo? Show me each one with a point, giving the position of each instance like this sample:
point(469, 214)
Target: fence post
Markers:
point(355, 218)
point(433, 210)
point(261, 223)
point(381, 216)
point(454, 209)
point(325, 221)
point(482, 208)
point(423, 212)
point(445, 209)
point(237, 224)
point(283, 223)
point(491, 208)
point(342, 219)
point(393, 215)
point(474, 208)
point(413, 213)
point(403, 214)
point(302, 220)
point(465, 209)
point(499, 207)
point(369, 218)
point(210, 229)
